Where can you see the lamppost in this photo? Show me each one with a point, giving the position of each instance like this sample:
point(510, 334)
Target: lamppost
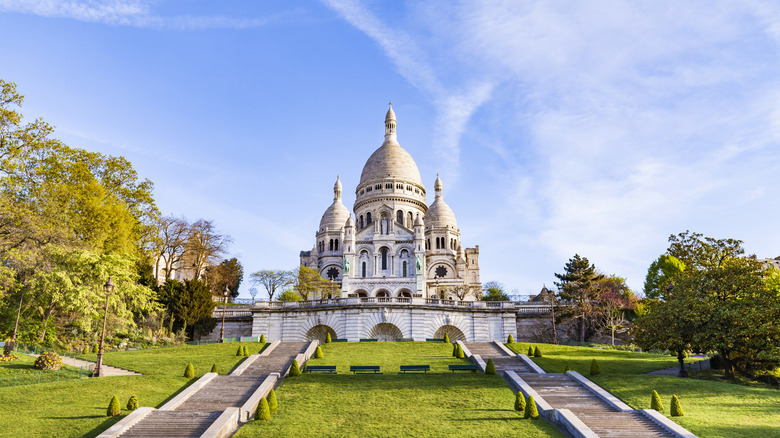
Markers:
point(108, 287)
point(253, 292)
point(224, 306)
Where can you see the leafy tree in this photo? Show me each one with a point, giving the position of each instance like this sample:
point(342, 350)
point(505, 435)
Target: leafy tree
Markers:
point(204, 247)
point(494, 291)
point(289, 295)
point(189, 306)
point(578, 286)
point(308, 283)
point(273, 280)
point(229, 273)
point(661, 272)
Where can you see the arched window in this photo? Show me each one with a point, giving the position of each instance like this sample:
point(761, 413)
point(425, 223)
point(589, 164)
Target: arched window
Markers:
point(410, 221)
point(437, 243)
point(361, 222)
point(368, 218)
point(384, 258)
point(336, 245)
point(404, 273)
point(331, 244)
point(428, 244)
point(400, 217)
point(364, 270)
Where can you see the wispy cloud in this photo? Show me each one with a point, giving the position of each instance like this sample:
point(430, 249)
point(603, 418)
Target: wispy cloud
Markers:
point(136, 13)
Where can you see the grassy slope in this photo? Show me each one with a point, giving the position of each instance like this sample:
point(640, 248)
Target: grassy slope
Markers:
point(77, 408)
point(439, 403)
point(712, 409)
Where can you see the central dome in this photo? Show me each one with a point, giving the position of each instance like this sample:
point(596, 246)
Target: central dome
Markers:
point(390, 161)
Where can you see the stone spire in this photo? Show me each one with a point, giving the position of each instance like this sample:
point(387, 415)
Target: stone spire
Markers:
point(390, 123)
point(337, 189)
point(438, 187)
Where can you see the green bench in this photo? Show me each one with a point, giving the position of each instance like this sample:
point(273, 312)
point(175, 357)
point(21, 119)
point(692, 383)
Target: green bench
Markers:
point(364, 369)
point(434, 340)
point(415, 369)
point(473, 368)
point(338, 340)
point(369, 340)
point(321, 369)
point(404, 340)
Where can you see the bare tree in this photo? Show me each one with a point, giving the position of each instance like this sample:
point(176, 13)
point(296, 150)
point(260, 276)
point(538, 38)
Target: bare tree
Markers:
point(272, 280)
point(170, 244)
point(462, 291)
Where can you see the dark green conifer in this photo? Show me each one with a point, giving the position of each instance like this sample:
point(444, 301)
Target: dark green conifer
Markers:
point(655, 402)
point(455, 350)
point(530, 409)
point(520, 402)
point(132, 404)
point(214, 369)
point(240, 351)
point(262, 339)
point(676, 409)
point(461, 354)
point(113, 407)
point(446, 338)
point(530, 351)
point(273, 405)
point(510, 339)
point(295, 370)
point(328, 339)
point(595, 370)
point(537, 352)
point(490, 368)
point(263, 412)
point(318, 353)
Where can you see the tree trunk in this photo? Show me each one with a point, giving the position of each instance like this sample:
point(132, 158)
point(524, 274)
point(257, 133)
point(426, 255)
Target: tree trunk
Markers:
point(681, 361)
point(613, 335)
point(582, 329)
point(728, 366)
point(555, 331)
point(46, 316)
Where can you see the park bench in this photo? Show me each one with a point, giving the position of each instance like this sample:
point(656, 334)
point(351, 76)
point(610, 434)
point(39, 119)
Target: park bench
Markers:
point(321, 369)
point(415, 369)
point(364, 369)
point(404, 340)
point(473, 368)
point(434, 340)
point(369, 340)
point(339, 340)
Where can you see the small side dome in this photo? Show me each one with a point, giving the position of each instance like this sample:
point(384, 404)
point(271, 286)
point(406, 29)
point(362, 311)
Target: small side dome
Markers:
point(440, 214)
point(418, 222)
point(337, 214)
point(350, 222)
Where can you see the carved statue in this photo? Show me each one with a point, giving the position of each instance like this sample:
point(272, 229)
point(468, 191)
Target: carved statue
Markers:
point(346, 266)
point(419, 263)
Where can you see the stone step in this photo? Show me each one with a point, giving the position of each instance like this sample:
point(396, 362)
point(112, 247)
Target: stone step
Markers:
point(164, 424)
point(221, 393)
point(485, 349)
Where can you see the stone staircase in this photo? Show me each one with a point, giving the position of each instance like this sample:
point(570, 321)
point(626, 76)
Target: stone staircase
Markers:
point(192, 417)
point(563, 392)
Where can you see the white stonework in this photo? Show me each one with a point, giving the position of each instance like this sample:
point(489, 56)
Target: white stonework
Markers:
point(396, 245)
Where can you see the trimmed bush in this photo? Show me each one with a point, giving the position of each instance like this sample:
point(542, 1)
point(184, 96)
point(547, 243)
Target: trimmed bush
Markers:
point(595, 370)
point(214, 369)
point(461, 354)
point(189, 372)
point(655, 402)
point(246, 350)
point(113, 407)
point(537, 352)
point(262, 339)
point(490, 368)
point(273, 405)
point(86, 350)
point(530, 409)
point(446, 338)
point(568, 368)
point(510, 339)
point(95, 348)
point(530, 350)
point(455, 350)
point(48, 361)
point(240, 351)
point(318, 353)
point(295, 370)
point(328, 339)
point(520, 402)
point(676, 409)
point(263, 412)
point(132, 404)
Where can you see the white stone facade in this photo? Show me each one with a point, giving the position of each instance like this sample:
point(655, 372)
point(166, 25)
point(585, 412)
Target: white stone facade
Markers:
point(396, 245)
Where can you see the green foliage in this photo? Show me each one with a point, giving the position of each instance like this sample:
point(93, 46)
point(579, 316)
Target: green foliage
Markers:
point(676, 409)
point(520, 402)
point(530, 409)
point(85, 350)
point(537, 352)
point(578, 287)
point(48, 361)
point(662, 271)
point(214, 369)
point(328, 339)
point(595, 370)
point(530, 351)
point(295, 371)
point(490, 368)
point(95, 348)
point(446, 338)
point(189, 372)
point(655, 402)
point(113, 407)
point(275, 280)
point(510, 339)
point(240, 351)
point(228, 273)
point(461, 354)
point(263, 412)
point(273, 404)
point(132, 403)
point(189, 304)
point(262, 339)
point(289, 295)
point(455, 350)
point(494, 291)
point(246, 351)
point(568, 368)
point(318, 353)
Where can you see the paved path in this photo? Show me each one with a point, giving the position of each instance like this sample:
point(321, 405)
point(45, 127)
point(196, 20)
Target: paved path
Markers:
point(563, 392)
point(107, 370)
point(703, 364)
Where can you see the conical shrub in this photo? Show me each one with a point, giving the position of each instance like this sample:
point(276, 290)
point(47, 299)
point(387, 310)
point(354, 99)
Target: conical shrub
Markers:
point(246, 350)
point(676, 409)
point(461, 354)
point(537, 352)
point(328, 339)
point(655, 402)
point(530, 409)
point(520, 402)
point(113, 407)
point(530, 350)
point(446, 338)
point(86, 350)
point(295, 370)
point(318, 353)
point(455, 350)
point(273, 405)
point(595, 370)
point(240, 351)
point(189, 372)
point(132, 404)
point(263, 412)
point(568, 368)
point(262, 339)
point(214, 369)
point(510, 339)
point(490, 368)
point(95, 348)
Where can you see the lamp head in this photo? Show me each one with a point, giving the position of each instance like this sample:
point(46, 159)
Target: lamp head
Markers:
point(109, 286)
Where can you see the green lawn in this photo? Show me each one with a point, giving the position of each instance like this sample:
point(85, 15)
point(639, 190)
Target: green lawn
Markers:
point(712, 409)
point(440, 403)
point(76, 408)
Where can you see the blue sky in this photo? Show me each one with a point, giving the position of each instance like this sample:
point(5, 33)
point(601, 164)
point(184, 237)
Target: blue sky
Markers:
point(597, 128)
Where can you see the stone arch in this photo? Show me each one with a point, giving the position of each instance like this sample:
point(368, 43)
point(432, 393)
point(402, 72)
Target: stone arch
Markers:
point(456, 320)
point(385, 332)
point(319, 333)
point(452, 271)
point(361, 293)
point(404, 292)
point(382, 293)
point(454, 333)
